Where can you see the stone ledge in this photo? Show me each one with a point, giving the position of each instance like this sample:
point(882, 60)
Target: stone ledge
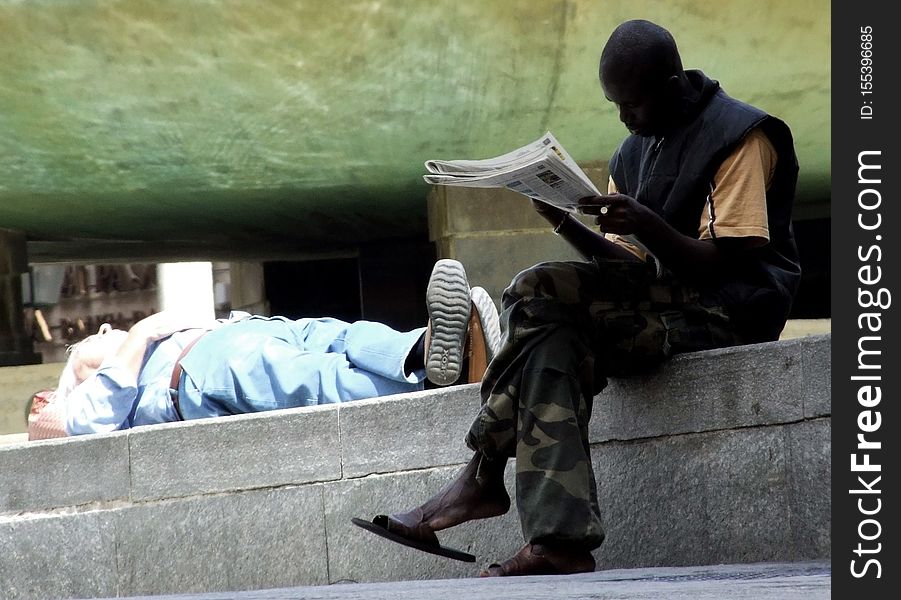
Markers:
point(400, 432)
point(744, 386)
point(231, 454)
point(699, 463)
point(705, 391)
point(49, 474)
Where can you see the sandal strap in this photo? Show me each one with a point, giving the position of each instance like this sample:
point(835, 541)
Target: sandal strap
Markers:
point(420, 532)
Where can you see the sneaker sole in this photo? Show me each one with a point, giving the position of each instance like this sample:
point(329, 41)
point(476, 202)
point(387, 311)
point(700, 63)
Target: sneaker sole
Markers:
point(448, 302)
point(491, 324)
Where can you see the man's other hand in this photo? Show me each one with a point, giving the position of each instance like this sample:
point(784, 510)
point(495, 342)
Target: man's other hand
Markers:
point(615, 213)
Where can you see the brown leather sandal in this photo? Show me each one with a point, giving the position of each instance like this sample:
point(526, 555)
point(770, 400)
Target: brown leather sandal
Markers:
point(477, 350)
point(484, 334)
point(538, 559)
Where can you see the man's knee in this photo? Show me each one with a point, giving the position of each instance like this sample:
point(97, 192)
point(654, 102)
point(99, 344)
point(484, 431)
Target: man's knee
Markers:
point(559, 280)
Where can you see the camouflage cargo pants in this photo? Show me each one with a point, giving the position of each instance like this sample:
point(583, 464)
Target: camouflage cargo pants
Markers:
point(567, 326)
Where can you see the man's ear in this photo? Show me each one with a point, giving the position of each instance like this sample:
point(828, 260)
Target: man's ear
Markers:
point(674, 87)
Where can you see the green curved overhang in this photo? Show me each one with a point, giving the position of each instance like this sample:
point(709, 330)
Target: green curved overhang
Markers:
point(241, 124)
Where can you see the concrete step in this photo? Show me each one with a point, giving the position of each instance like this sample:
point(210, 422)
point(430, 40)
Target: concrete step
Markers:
point(717, 457)
point(791, 581)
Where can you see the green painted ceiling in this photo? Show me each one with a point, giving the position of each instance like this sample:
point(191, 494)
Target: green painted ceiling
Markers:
point(251, 125)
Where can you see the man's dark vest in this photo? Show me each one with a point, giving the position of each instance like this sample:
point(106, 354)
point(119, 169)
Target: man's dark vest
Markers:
point(673, 176)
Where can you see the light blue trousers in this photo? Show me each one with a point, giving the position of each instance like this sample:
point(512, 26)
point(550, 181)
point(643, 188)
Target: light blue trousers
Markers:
point(261, 363)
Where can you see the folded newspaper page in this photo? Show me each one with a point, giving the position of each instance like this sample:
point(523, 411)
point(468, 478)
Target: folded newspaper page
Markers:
point(542, 170)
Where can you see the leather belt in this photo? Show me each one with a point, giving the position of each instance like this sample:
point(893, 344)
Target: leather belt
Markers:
point(175, 380)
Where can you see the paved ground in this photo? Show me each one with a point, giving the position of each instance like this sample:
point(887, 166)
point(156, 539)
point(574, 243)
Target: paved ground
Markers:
point(785, 581)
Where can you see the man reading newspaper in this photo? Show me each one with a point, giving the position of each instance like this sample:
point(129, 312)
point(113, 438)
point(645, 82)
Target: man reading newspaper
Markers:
point(706, 183)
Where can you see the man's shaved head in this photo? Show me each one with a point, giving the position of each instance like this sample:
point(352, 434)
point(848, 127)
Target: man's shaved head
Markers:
point(641, 53)
point(641, 73)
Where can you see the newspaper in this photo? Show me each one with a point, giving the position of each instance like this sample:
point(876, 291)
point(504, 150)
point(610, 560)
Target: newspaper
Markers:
point(542, 170)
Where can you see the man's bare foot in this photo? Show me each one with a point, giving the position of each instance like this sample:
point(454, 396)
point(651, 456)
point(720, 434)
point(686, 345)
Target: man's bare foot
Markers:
point(474, 494)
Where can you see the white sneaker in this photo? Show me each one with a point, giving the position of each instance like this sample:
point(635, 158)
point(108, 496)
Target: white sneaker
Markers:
point(490, 322)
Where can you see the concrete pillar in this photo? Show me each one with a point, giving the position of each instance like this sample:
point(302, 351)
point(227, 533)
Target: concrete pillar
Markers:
point(496, 233)
point(187, 287)
point(15, 344)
